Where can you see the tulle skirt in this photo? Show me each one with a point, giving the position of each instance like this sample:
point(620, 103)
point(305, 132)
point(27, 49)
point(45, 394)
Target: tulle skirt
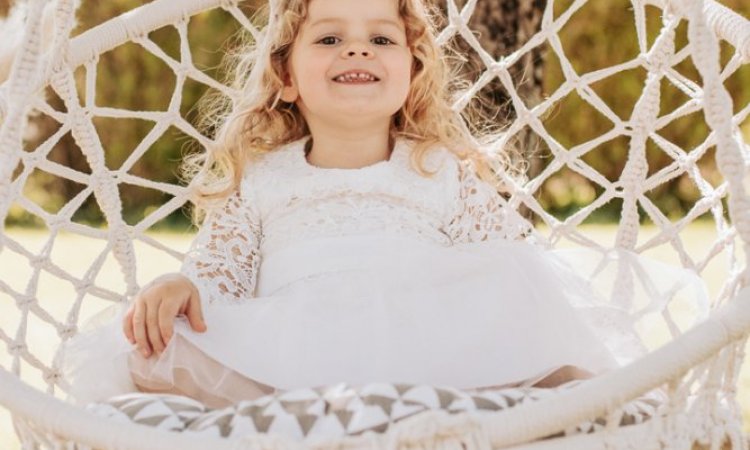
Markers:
point(361, 309)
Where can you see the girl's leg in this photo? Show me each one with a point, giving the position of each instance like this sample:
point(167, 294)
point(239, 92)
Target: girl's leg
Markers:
point(192, 373)
point(547, 379)
point(563, 375)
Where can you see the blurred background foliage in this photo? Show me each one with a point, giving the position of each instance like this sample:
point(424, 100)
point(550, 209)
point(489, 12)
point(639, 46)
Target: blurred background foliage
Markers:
point(599, 35)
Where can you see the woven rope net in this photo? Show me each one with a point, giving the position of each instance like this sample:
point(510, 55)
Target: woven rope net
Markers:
point(703, 406)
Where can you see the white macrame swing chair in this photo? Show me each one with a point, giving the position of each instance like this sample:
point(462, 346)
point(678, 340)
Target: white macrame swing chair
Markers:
point(698, 367)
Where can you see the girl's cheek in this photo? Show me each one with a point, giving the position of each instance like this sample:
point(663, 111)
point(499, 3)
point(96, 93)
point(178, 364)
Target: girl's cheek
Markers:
point(323, 50)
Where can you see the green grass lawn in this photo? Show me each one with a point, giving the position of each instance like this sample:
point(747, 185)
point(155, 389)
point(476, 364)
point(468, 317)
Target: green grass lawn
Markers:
point(78, 254)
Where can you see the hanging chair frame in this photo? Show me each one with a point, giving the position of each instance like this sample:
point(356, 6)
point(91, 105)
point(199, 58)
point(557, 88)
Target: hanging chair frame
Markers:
point(510, 428)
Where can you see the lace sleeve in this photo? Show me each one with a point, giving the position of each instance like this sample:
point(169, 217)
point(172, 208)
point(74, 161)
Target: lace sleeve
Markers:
point(481, 213)
point(223, 259)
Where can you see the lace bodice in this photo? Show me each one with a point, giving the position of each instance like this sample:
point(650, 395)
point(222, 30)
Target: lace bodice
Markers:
point(283, 199)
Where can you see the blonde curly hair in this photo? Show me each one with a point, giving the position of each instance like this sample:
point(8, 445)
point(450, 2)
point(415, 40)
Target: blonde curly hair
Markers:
point(254, 120)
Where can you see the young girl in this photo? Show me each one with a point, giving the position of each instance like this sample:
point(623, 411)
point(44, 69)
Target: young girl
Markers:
point(354, 232)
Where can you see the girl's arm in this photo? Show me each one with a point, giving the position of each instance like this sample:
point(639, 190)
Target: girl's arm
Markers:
point(480, 212)
point(223, 259)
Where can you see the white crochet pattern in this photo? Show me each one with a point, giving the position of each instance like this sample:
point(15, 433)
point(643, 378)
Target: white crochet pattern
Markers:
point(223, 259)
point(483, 213)
point(298, 201)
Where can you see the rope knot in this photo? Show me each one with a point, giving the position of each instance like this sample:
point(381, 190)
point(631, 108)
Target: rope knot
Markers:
point(68, 331)
point(56, 222)
point(24, 301)
point(38, 261)
point(16, 348)
point(52, 376)
point(227, 4)
point(84, 286)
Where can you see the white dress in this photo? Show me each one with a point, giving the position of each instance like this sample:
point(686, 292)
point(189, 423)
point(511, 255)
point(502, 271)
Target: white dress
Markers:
point(313, 276)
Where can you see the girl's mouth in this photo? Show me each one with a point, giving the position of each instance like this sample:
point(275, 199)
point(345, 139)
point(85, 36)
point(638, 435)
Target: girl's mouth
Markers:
point(356, 82)
point(356, 78)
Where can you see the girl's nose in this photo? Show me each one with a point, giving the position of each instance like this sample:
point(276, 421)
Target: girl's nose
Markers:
point(365, 53)
point(357, 49)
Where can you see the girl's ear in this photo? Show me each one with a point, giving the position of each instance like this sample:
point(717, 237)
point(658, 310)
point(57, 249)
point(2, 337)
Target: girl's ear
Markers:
point(289, 93)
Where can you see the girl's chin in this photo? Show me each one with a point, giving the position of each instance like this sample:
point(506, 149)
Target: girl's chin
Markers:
point(361, 113)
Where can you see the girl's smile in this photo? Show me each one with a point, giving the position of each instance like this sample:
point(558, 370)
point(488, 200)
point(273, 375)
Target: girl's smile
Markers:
point(349, 67)
point(356, 77)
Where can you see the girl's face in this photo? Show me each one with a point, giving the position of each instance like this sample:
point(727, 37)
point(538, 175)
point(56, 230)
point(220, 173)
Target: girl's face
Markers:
point(355, 36)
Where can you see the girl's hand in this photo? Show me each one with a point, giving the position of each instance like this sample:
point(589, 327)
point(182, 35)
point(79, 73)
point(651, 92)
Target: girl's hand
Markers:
point(149, 323)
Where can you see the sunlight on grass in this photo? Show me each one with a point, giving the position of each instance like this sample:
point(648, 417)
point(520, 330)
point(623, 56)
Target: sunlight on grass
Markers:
point(78, 254)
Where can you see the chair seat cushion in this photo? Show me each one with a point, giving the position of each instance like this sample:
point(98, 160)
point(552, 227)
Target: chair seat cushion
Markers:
point(337, 411)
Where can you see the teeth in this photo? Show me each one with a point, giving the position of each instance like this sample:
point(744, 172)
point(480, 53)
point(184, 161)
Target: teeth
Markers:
point(355, 77)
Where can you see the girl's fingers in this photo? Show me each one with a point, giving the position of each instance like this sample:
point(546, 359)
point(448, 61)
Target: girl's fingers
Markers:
point(139, 327)
point(127, 324)
point(195, 313)
point(167, 313)
point(152, 325)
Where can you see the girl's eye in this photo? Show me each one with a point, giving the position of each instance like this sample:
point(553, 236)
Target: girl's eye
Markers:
point(379, 40)
point(327, 40)
point(384, 40)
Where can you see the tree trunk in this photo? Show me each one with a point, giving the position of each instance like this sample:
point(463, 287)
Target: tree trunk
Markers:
point(501, 27)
